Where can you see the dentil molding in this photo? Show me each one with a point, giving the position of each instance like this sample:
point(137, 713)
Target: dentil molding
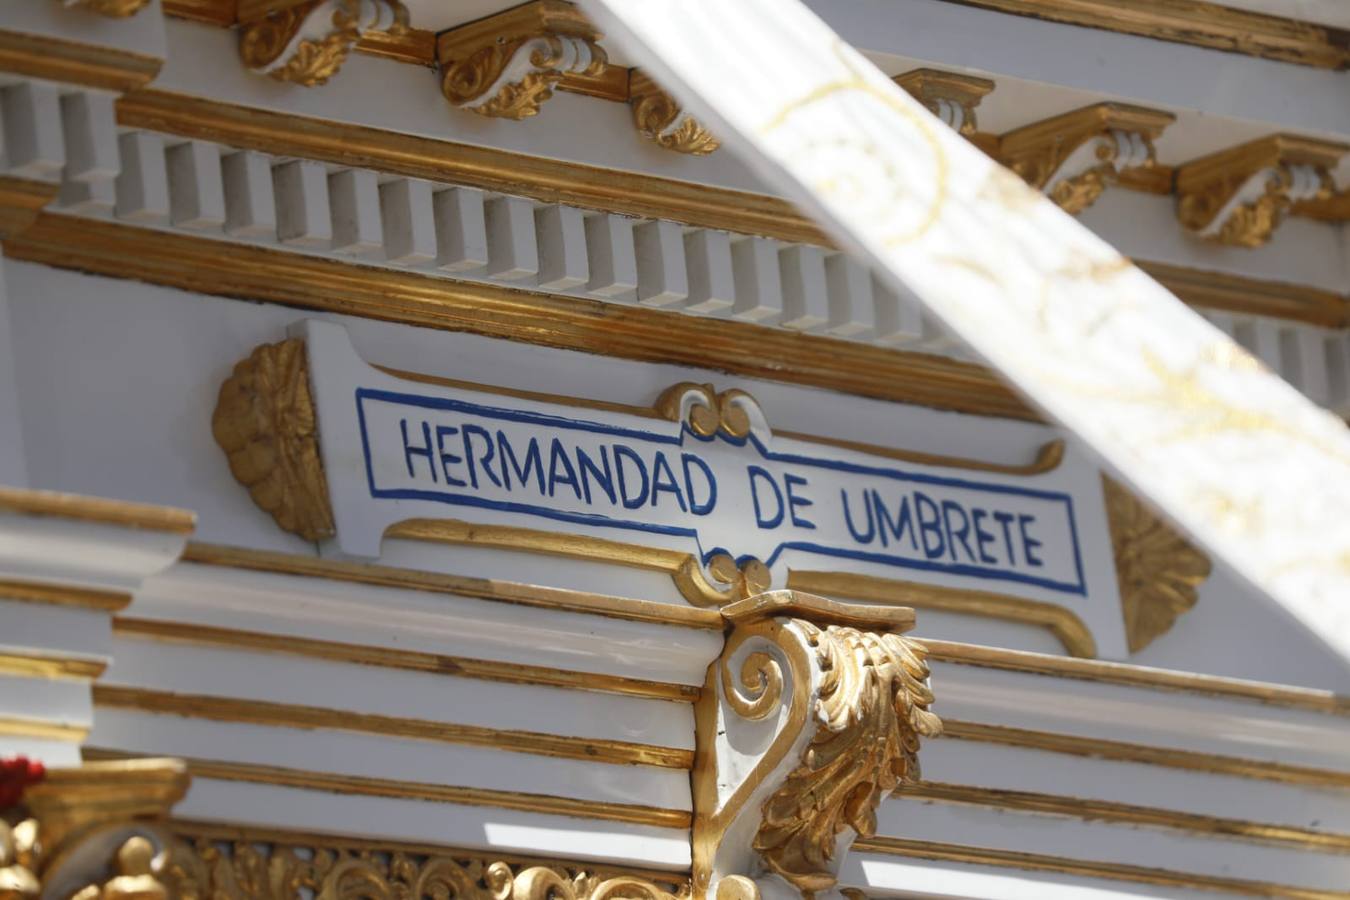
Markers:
point(1073, 157)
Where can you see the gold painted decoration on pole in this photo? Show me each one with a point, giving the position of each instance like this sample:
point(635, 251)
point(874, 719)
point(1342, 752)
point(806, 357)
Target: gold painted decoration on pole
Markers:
point(1252, 470)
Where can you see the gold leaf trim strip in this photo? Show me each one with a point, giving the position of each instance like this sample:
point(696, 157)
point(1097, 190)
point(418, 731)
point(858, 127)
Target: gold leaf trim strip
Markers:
point(221, 268)
point(481, 588)
point(60, 595)
point(17, 726)
point(987, 856)
point(1195, 22)
point(1063, 623)
point(1129, 814)
point(292, 715)
point(42, 665)
point(543, 804)
point(21, 199)
point(408, 660)
point(1251, 296)
point(97, 509)
point(57, 59)
point(1128, 675)
point(1120, 751)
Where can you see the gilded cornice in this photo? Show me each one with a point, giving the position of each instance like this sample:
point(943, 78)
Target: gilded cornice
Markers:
point(835, 699)
point(82, 508)
point(21, 199)
point(658, 117)
point(507, 65)
point(1036, 862)
point(1251, 296)
point(401, 659)
point(290, 715)
point(72, 62)
point(1239, 196)
point(950, 96)
point(1158, 571)
point(1075, 156)
point(61, 595)
point(1195, 22)
point(264, 421)
point(307, 42)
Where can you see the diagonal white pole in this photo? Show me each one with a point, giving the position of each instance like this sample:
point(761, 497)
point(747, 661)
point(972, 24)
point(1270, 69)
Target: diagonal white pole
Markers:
point(1254, 471)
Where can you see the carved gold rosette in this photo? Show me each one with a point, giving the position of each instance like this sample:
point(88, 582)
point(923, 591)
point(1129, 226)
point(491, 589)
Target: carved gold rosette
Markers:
point(659, 118)
point(265, 422)
point(306, 44)
point(1074, 157)
point(507, 65)
point(835, 687)
point(1241, 195)
point(1159, 572)
point(115, 9)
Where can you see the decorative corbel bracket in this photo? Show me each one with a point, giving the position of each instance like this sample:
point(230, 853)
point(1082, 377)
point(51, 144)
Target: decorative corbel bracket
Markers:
point(113, 9)
point(1239, 196)
point(950, 96)
point(1158, 571)
point(659, 118)
point(305, 42)
point(808, 720)
point(507, 65)
point(1072, 158)
point(92, 833)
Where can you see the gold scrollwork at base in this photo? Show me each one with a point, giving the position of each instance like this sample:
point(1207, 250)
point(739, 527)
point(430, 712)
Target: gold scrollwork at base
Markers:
point(244, 865)
point(871, 709)
point(265, 422)
point(1158, 570)
point(659, 118)
point(114, 9)
point(288, 45)
point(835, 686)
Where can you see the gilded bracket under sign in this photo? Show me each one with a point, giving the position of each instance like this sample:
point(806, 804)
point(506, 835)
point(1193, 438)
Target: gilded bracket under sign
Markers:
point(91, 833)
point(809, 719)
point(1075, 156)
point(950, 96)
point(1241, 195)
point(307, 43)
point(507, 65)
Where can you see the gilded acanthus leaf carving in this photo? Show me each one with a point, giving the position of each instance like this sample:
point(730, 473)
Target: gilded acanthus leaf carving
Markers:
point(308, 43)
point(244, 868)
point(871, 710)
point(265, 422)
point(659, 118)
point(1159, 572)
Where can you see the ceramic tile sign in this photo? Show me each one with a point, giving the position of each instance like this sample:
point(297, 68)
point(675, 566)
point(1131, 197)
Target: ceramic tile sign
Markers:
point(395, 449)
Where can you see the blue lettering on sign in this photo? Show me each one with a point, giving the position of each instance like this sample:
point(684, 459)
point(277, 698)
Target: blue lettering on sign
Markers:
point(596, 474)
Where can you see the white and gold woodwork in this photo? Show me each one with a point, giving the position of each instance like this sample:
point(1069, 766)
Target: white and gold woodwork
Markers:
point(494, 712)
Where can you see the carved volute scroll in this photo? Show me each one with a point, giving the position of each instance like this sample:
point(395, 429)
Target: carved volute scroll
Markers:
point(1159, 572)
point(306, 43)
point(950, 96)
point(1074, 157)
point(507, 65)
point(1241, 195)
point(265, 422)
point(92, 833)
point(659, 118)
point(810, 718)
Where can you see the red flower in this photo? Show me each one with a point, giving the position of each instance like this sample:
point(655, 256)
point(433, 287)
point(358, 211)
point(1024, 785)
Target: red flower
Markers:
point(16, 774)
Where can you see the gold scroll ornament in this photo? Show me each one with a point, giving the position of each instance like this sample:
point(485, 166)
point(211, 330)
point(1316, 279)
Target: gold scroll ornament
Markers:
point(286, 44)
point(849, 696)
